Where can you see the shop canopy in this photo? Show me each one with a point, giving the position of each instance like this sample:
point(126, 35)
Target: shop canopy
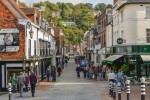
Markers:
point(145, 58)
point(111, 59)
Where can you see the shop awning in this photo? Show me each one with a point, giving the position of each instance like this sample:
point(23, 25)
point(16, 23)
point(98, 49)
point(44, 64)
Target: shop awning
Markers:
point(145, 58)
point(111, 59)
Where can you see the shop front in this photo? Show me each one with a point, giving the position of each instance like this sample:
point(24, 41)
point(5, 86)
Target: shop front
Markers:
point(137, 57)
point(7, 69)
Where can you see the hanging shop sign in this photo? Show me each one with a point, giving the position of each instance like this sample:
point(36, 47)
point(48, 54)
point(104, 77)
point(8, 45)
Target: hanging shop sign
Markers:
point(119, 40)
point(9, 40)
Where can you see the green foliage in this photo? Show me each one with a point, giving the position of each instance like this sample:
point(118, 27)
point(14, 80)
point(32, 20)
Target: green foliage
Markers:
point(114, 67)
point(100, 6)
point(125, 68)
point(82, 14)
point(109, 6)
point(73, 35)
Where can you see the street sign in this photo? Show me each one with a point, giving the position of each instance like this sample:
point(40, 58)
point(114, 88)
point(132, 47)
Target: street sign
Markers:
point(119, 40)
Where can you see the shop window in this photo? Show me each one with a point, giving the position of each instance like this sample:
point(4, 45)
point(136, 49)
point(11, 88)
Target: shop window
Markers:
point(148, 35)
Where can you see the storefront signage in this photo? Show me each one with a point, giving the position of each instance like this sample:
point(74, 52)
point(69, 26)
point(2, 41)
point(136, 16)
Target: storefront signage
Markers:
point(119, 40)
point(9, 40)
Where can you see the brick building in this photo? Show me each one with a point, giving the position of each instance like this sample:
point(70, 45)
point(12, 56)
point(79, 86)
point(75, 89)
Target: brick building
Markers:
point(12, 40)
point(27, 42)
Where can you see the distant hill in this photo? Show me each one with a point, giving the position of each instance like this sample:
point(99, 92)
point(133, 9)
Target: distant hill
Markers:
point(82, 14)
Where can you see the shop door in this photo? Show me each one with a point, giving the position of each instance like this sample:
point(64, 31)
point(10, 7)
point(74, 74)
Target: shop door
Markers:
point(145, 70)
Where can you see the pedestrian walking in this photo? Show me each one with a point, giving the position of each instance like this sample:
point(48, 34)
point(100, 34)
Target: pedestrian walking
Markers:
point(111, 77)
point(84, 72)
point(21, 83)
point(33, 81)
point(120, 78)
point(66, 61)
point(53, 73)
point(78, 71)
point(14, 82)
point(48, 73)
point(95, 71)
point(91, 73)
point(104, 72)
point(26, 82)
point(100, 73)
point(59, 70)
point(62, 62)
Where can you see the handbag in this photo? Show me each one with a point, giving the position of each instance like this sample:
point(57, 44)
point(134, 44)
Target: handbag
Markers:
point(93, 76)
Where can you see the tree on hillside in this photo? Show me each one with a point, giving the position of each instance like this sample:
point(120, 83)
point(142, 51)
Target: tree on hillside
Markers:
point(109, 6)
point(100, 6)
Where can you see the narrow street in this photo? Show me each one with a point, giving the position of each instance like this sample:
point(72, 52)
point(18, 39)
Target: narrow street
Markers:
point(67, 87)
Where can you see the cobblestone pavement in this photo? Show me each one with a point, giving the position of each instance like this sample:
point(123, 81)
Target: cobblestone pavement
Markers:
point(67, 87)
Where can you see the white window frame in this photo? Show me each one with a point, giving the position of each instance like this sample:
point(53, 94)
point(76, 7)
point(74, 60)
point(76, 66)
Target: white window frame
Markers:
point(147, 37)
point(148, 11)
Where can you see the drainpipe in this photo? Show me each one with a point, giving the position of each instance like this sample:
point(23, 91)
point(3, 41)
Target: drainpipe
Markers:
point(112, 30)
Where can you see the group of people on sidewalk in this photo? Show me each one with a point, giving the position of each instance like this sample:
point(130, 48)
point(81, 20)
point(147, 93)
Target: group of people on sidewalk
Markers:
point(103, 72)
point(92, 72)
point(52, 71)
point(18, 82)
point(117, 77)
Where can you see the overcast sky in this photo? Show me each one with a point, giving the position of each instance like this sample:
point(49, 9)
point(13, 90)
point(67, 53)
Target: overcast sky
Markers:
point(94, 2)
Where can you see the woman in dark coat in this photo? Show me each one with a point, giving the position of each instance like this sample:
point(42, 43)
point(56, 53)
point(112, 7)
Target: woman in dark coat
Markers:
point(53, 73)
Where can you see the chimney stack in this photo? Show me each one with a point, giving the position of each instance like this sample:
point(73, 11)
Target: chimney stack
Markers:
point(51, 23)
point(17, 2)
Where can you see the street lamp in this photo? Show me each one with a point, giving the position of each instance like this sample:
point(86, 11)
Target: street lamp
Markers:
point(49, 47)
point(63, 49)
point(112, 29)
point(24, 64)
point(31, 32)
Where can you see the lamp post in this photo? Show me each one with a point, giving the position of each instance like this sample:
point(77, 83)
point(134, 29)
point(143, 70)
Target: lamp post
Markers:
point(32, 64)
point(49, 47)
point(24, 64)
point(112, 29)
point(63, 50)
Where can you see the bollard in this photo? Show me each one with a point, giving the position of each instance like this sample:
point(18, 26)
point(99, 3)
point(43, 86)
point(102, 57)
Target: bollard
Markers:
point(114, 90)
point(128, 89)
point(112, 86)
point(119, 91)
point(142, 88)
point(9, 90)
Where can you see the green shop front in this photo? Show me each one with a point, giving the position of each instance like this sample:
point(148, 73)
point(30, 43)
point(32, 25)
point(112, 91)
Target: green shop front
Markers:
point(137, 57)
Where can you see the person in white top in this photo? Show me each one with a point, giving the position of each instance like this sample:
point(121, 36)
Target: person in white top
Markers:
point(111, 76)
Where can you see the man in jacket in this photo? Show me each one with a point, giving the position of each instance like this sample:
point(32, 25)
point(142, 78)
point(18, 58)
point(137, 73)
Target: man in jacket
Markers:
point(33, 80)
point(21, 83)
point(120, 78)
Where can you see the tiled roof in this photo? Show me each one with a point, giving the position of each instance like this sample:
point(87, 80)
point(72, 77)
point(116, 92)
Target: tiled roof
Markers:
point(138, 1)
point(28, 11)
point(134, 2)
point(14, 8)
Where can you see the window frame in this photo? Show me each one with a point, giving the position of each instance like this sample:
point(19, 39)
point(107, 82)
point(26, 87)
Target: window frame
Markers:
point(147, 37)
point(147, 15)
